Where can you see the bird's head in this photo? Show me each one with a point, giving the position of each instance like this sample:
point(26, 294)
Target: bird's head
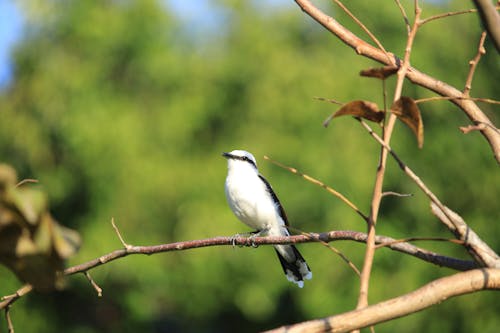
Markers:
point(240, 158)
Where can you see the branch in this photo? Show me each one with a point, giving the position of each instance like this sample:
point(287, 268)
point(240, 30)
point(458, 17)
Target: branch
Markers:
point(444, 98)
point(473, 64)
point(473, 243)
point(448, 14)
point(380, 174)
point(360, 237)
point(296, 239)
point(490, 19)
point(405, 17)
point(362, 26)
point(414, 75)
point(432, 293)
point(8, 300)
point(320, 184)
point(10, 326)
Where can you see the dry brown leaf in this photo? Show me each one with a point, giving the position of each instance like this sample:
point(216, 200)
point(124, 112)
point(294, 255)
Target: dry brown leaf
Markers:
point(408, 112)
point(363, 109)
point(381, 73)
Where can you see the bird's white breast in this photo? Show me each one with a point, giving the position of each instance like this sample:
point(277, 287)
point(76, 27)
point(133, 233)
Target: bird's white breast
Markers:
point(249, 200)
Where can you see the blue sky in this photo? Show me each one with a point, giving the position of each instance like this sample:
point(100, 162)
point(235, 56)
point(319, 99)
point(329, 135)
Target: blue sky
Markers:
point(199, 15)
point(196, 13)
point(10, 32)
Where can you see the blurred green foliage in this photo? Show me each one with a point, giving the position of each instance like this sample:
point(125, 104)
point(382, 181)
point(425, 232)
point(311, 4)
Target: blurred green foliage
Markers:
point(120, 112)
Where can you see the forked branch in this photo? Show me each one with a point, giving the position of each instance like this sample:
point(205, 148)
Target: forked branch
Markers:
point(473, 243)
point(470, 108)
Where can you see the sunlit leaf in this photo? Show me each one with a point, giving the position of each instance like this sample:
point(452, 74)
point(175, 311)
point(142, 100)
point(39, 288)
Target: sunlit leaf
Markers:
point(65, 241)
point(24, 245)
point(363, 109)
point(407, 111)
point(32, 244)
point(30, 203)
point(8, 176)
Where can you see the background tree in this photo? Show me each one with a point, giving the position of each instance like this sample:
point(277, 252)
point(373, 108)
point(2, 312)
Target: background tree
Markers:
point(119, 111)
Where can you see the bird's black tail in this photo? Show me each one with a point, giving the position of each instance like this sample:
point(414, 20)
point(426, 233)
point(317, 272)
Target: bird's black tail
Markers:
point(294, 265)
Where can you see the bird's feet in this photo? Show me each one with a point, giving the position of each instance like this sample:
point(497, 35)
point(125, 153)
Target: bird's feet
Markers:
point(250, 236)
point(245, 235)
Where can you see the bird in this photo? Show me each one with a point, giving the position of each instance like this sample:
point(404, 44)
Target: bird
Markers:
point(253, 201)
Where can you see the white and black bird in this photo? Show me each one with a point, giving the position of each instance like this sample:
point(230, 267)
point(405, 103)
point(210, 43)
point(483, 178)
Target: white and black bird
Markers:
point(254, 202)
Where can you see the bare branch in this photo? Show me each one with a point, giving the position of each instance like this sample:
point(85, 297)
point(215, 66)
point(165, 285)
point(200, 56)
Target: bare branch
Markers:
point(477, 127)
point(310, 237)
point(430, 294)
point(360, 237)
point(329, 100)
point(125, 245)
point(26, 181)
point(458, 98)
point(8, 300)
point(93, 283)
point(448, 14)
point(473, 64)
point(491, 20)
point(362, 48)
point(396, 194)
point(321, 184)
point(405, 17)
point(10, 326)
point(379, 177)
point(362, 26)
point(413, 239)
point(473, 243)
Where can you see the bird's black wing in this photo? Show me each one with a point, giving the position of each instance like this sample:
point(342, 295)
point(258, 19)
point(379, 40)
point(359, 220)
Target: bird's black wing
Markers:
point(275, 199)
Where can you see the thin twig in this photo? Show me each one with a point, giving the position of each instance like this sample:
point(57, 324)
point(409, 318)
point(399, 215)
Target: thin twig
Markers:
point(477, 127)
point(396, 194)
point(93, 283)
point(9, 299)
point(405, 17)
point(448, 14)
point(365, 29)
point(320, 184)
point(329, 100)
point(333, 101)
point(414, 239)
point(333, 249)
point(473, 64)
point(10, 326)
point(125, 245)
point(458, 98)
point(25, 181)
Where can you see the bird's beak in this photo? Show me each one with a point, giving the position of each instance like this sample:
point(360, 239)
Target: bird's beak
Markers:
point(227, 155)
